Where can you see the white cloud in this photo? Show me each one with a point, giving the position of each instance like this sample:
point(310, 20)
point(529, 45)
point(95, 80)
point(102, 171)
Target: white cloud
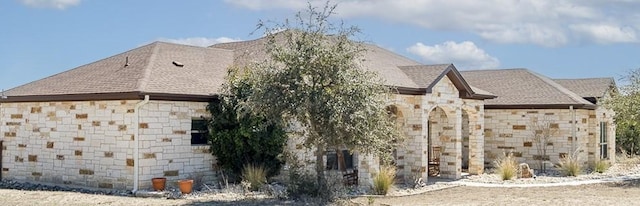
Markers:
point(464, 55)
point(541, 22)
point(603, 33)
point(56, 4)
point(199, 41)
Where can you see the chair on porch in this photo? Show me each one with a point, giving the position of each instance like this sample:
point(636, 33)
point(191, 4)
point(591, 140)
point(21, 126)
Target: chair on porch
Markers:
point(434, 161)
point(350, 177)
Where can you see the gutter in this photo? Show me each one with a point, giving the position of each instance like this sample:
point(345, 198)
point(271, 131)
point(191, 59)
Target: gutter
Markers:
point(136, 147)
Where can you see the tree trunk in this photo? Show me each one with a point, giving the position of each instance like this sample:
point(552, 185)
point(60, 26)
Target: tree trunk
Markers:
point(321, 180)
point(342, 165)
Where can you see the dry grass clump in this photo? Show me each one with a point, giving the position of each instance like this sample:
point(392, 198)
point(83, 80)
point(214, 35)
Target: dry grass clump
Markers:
point(506, 166)
point(383, 181)
point(256, 176)
point(570, 165)
point(601, 166)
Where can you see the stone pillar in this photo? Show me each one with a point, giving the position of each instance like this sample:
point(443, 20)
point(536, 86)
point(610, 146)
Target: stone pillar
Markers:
point(476, 142)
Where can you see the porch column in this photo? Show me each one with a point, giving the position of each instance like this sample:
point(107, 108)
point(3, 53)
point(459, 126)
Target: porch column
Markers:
point(476, 142)
point(451, 167)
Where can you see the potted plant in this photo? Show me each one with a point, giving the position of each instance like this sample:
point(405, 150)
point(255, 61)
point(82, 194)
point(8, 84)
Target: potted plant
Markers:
point(186, 186)
point(158, 183)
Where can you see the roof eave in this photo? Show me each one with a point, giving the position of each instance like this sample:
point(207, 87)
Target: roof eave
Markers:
point(109, 96)
point(411, 91)
point(540, 106)
point(480, 96)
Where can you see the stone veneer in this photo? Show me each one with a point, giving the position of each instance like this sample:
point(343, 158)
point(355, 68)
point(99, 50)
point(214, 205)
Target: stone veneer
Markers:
point(511, 130)
point(413, 118)
point(91, 143)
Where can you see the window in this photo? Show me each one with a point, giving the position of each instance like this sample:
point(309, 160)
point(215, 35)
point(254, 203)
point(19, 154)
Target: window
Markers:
point(199, 131)
point(603, 140)
point(332, 160)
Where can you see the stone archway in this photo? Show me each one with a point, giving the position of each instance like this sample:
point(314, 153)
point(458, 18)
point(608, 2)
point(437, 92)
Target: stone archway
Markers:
point(441, 153)
point(397, 154)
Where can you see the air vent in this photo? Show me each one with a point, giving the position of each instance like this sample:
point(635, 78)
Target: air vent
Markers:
point(178, 64)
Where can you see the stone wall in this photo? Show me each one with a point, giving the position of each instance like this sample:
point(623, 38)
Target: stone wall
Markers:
point(512, 130)
point(91, 143)
point(165, 143)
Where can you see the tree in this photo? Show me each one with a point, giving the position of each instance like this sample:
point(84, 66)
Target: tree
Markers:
point(314, 78)
point(240, 137)
point(542, 131)
point(626, 105)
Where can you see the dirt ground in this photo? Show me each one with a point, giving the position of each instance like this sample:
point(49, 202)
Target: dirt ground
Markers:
point(626, 193)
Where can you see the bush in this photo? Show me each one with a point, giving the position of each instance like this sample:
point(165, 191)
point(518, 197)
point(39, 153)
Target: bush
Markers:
point(506, 166)
point(255, 175)
point(569, 165)
point(383, 181)
point(300, 182)
point(601, 166)
point(239, 137)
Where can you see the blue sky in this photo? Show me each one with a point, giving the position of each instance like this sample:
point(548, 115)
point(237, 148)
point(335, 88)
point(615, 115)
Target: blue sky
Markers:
point(556, 38)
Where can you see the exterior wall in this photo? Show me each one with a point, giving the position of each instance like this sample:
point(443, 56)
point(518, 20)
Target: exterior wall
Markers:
point(511, 130)
point(409, 158)
point(91, 143)
point(602, 115)
point(165, 143)
point(88, 143)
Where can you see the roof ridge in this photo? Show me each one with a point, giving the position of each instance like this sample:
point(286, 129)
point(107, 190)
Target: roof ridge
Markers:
point(559, 87)
point(588, 78)
point(482, 70)
point(142, 82)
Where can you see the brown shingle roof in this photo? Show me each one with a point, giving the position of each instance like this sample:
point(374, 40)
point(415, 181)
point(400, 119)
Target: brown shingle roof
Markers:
point(150, 69)
point(523, 88)
point(590, 87)
point(376, 59)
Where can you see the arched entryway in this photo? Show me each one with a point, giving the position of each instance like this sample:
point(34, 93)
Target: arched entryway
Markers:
point(440, 130)
point(396, 115)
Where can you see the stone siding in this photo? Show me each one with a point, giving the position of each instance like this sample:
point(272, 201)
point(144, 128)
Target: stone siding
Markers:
point(91, 143)
point(512, 130)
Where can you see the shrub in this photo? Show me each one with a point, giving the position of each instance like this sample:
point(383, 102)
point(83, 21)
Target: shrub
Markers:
point(300, 182)
point(383, 181)
point(239, 137)
point(506, 166)
point(570, 165)
point(255, 175)
point(601, 166)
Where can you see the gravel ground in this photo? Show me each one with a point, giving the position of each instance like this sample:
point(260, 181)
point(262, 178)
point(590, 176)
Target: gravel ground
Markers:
point(434, 193)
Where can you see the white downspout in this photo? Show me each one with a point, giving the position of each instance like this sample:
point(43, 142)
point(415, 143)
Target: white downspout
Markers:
point(136, 147)
point(573, 128)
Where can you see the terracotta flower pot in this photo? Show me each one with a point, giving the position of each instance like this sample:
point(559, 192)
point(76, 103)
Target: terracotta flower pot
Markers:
point(185, 186)
point(158, 183)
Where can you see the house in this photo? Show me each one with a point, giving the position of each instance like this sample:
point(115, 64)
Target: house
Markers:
point(527, 101)
point(120, 121)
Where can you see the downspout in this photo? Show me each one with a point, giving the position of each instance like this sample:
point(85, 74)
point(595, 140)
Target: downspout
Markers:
point(136, 147)
point(573, 129)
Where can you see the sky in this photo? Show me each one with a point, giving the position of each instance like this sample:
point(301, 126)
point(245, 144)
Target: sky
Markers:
point(556, 38)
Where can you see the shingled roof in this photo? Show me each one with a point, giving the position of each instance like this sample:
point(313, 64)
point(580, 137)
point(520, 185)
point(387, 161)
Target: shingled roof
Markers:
point(406, 75)
point(522, 88)
point(589, 88)
point(376, 59)
point(426, 77)
point(167, 70)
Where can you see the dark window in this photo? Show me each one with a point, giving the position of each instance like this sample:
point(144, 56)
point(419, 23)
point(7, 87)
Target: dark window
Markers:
point(199, 132)
point(332, 160)
point(603, 140)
